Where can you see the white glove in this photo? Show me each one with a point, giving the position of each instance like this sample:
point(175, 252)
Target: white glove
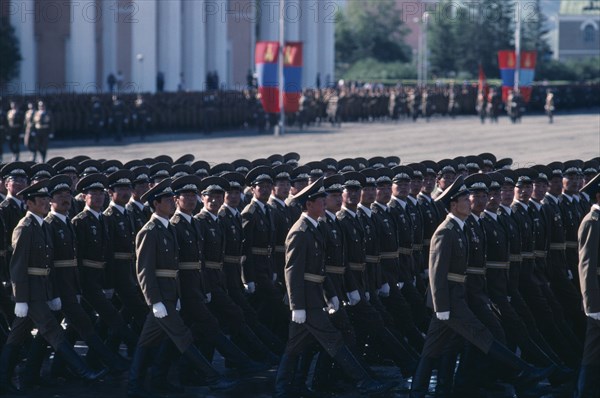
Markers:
point(353, 297)
point(367, 296)
point(55, 304)
point(594, 315)
point(384, 290)
point(400, 285)
point(508, 298)
point(274, 276)
point(333, 305)
point(250, 287)
point(21, 310)
point(159, 310)
point(443, 316)
point(299, 316)
point(108, 293)
point(78, 297)
point(207, 298)
point(414, 282)
point(178, 305)
point(570, 274)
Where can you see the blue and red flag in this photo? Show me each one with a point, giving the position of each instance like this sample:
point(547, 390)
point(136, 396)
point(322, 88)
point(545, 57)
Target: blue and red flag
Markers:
point(292, 76)
point(266, 58)
point(507, 61)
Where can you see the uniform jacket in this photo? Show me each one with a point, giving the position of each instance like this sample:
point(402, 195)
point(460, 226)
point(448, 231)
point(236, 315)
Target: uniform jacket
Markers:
point(589, 261)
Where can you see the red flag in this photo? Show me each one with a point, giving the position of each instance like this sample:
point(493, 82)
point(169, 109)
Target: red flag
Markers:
point(266, 58)
point(483, 86)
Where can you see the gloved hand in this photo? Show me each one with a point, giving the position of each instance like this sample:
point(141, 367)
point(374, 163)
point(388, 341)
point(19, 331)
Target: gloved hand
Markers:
point(250, 287)
point(108, 293)
point(299, 316)
point(55, 304)
point(594, 315)
point(443, 316)
point(508, 298)
point(78, 297)
point(353, 297)
point(274, 276)
point(159, 310)
point(178, 305)
point(21, 310)
point(570, 274)
point(384, 290)
point(207, 298)
point(333, 305)
point(400, 285)
point(367, 296)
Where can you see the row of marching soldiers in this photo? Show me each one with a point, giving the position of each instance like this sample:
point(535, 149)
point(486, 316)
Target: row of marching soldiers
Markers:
point(176, 259)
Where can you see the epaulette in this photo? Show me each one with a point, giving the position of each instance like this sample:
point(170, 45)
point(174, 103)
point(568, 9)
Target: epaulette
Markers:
point(175, 219)
point(595, 216)
point(48, 219)
point(341, 215)
point(290, 202)
point(149, 225)
point(449, 225)
point(26, 221)
point(251, 208)
point(375, 209)
point(4, 203)
point(303, 226)
point(81, 216)
point(109, 211)
point(222, 212)
point(201, 216)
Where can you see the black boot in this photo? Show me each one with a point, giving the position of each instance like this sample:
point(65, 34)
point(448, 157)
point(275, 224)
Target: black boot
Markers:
point(214, 380)
point(403, 355)
point(539, 357)
point(322, 376)
point(38, 350)
point(166, 355)
point(528, 376)
point(76, 363)
point(115, 362)
point(352, 367)
point(137, 373)
point(242, 362)
point(588, 385)
point(285, 376)
point(445, 375)
point(254, 346)
point(422, 377)
point(268, 338)
point(8, 361)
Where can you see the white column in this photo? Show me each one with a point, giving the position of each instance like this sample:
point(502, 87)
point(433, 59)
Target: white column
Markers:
point(194, 45)
point(22, 19)
point(269, 20)
point(144, 44)
point(328, 12)
point(169, 42)
point(82, 47)
point(292, 13)
point(216, 32)
point(310, 36)
point(109, 39)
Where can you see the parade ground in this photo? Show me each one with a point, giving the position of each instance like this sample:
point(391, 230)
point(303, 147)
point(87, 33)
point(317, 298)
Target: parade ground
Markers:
point(534, 140)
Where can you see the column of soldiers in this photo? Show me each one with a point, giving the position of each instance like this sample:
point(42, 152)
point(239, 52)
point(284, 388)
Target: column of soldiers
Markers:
point(338, 264)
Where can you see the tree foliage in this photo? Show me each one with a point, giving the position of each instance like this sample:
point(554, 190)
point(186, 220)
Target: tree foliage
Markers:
point(9, 52)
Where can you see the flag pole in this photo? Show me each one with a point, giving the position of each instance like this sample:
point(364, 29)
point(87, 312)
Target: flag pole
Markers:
point(518, 45)
point(281, 129)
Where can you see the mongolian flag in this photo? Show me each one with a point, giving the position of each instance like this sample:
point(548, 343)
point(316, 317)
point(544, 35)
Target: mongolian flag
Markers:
point(507, 61)
point(292, 76)
point(266, 58)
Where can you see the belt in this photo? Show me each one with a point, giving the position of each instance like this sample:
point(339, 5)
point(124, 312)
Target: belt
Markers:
point(213, 265)
point(166, 273)
point(571, 245)
point(279, 249)
point(189, 265)
point(540, 253)
point(372, 259)
point(497, 265)
point(416, 246)
point(405, 250)
point(94, 264)
point(261, 251)
point(357, 266)
point(475, 271)
point(333, 269)
point(388, 255)
point(515, 258)
point(426, 242)
point(65, 263)
point(452, 277)
point(234, 259)
point(123, 256)
point(527, 255)
point(38, 271)
point(314, 278)
point(558, 246)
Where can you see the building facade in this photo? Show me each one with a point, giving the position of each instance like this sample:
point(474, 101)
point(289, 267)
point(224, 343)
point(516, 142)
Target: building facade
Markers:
point(578, 30)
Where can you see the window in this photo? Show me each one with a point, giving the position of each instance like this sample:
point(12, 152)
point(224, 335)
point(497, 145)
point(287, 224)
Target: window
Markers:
point(589, 34)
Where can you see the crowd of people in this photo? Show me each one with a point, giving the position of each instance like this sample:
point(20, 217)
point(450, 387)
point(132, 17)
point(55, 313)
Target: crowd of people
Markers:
point(332, 265)
point(113, 116)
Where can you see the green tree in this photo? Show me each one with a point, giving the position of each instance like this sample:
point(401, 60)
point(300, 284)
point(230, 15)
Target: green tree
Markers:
point(9, 52)
point(442, 40)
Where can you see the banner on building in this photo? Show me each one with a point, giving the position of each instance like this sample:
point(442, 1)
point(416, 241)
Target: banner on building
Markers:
point(507, 61)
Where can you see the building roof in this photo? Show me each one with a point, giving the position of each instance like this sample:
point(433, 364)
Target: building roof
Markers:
point(577, 7)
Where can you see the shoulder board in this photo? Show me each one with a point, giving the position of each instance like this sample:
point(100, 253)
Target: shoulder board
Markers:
point(149, 225)
point(201, 216)
point(251, 208)
point(81, 215)
point(449, 225)
point(49, 218)
point(26, 221)
point(341, 215)
point(595, 216)
point(5, 203)
point(222, 212)
point(303, 226)
point(175, 219)
point(109, 211)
